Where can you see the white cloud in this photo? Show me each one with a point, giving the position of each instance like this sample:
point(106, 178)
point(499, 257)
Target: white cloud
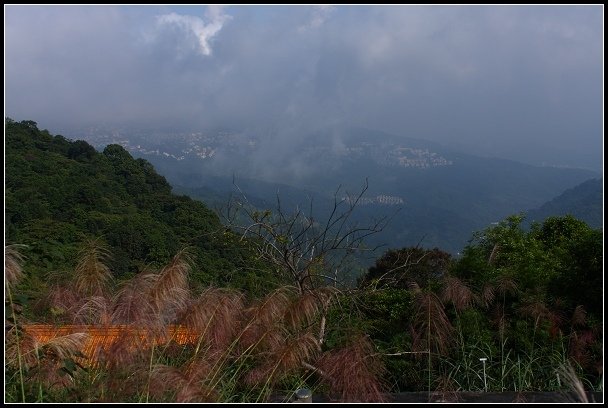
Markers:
point(203, 31)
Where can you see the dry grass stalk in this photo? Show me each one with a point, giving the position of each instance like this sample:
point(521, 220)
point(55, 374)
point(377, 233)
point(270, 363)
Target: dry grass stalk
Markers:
point(487, 295)
point(95, 310)
point(506, 285)
point(44, 360)
point(272, 308)
point(499, 319)
point(175, 274)
point(170, 292)
point(579, 316)
point(217, 314)
point(122, 382)
point(354, 372)
point(264, 327)
point(494, 254)
point(64, 347)
point(64, 303)
point(446, 390)
point(287, 358)
point(579, 347)
point(131, 303)
point(125, 350)
point(431, 320)
point(206, 365)
point(257, 339)
point(13, 272)
point(556, 319)
point(457, 293)
point(303, 310)
point(167, 381)
point(92, 275)
point(537, 310)
point(572, 380)
point(20, 345)
point(307, 307)
point(196, 393)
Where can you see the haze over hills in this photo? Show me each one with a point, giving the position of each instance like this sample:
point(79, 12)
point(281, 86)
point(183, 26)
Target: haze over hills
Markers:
point(435, 196)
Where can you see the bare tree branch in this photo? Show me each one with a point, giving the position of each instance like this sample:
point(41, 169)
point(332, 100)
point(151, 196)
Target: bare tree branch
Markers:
point(306, 252)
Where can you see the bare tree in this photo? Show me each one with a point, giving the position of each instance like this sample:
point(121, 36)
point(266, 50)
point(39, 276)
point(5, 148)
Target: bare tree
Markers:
point(307, 253)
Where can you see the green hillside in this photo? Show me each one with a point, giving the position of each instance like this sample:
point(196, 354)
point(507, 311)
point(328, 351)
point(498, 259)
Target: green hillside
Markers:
point(60, 193)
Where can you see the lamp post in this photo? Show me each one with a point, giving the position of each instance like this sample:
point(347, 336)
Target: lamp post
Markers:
point(485, 384)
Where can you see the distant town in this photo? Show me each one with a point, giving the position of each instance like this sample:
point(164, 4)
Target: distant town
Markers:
point(379, 199)
point(180, 146)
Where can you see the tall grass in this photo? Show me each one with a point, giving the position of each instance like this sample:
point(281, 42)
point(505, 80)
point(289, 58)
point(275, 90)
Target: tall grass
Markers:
point(13, 273)
point(244, 350)
point(355, 372)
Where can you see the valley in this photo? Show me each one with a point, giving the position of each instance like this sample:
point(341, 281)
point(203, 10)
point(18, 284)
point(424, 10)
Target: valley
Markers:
point(434, 196)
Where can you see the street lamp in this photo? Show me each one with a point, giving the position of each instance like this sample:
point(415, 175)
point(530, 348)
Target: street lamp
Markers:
point(485, 384)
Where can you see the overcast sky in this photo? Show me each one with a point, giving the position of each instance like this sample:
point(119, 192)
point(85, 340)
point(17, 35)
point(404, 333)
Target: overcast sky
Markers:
point(524, 83)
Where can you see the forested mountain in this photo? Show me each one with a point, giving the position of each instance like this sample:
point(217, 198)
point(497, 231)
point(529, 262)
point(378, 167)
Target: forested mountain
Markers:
point(60, 193)
point(583, 202)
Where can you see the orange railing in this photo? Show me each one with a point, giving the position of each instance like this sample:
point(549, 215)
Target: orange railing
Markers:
point(102, 338)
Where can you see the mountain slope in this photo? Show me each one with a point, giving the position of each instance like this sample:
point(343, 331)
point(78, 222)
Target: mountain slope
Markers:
point(583, 202)
point(59, 193)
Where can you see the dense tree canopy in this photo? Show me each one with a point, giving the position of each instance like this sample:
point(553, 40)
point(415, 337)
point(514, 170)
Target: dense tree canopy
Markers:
point(398, 268)
point(59, 193)
point(533, 295)
point(560, 259)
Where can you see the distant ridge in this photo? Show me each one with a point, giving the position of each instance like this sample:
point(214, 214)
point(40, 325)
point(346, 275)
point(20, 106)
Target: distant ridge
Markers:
point(584, 201)
point(443, 195)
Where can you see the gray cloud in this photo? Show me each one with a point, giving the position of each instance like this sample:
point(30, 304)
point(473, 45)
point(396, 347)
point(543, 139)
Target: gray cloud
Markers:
point(516, 82)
